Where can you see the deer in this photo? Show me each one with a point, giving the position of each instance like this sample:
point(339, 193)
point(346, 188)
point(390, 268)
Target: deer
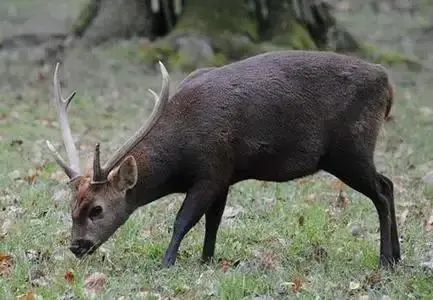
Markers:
point(276, 116)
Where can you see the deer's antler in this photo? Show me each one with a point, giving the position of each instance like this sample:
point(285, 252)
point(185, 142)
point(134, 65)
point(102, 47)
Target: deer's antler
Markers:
point(73, 168)
point(100, 173)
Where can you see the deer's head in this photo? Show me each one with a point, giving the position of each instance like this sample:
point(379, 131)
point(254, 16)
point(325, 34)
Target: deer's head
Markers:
point(99, 203)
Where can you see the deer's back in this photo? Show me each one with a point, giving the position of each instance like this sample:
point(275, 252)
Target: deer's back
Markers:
point(275, 110)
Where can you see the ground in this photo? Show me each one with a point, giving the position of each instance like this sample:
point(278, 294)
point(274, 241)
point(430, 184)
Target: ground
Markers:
point(277, 241)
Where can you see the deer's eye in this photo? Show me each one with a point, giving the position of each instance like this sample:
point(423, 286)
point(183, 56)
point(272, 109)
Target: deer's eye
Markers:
point(95, 212)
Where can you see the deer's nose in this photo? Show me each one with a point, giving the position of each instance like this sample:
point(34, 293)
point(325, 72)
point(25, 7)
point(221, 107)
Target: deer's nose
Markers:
point(81, 247)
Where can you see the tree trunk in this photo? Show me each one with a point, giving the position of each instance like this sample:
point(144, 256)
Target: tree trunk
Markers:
point(294, 23)
point(102, 20)
point(213, 32)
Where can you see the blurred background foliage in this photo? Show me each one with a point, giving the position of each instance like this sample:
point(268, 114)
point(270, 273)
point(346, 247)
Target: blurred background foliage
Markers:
point(187, 34)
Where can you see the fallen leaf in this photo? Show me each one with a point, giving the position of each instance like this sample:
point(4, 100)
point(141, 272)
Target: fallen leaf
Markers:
point(337, 185)
point(226, 264)
point(32, 176)
point(94, 284)
point(297, 285)
point(428, 226)
point(269, 259)
point(69, 276)
point(6, 264)
point(353, 285)
point(28, 296)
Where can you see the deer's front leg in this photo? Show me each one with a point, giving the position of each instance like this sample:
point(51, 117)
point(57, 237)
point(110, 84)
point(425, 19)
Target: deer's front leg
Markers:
point(197, 202)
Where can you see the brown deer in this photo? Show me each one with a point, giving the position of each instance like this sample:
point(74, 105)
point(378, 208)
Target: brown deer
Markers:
point(272, 117)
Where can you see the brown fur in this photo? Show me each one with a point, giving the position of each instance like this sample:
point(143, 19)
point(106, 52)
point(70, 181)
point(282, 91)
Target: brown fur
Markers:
point(273, 117)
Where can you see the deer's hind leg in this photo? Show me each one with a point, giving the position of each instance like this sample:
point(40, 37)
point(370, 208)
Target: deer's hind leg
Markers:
point(357, 170)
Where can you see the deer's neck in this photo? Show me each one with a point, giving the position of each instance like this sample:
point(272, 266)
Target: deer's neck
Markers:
point(157, 168)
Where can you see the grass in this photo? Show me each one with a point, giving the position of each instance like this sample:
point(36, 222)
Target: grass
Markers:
point(287, 240)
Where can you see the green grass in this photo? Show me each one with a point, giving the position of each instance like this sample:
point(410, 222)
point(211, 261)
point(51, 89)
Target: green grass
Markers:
point(285, 233)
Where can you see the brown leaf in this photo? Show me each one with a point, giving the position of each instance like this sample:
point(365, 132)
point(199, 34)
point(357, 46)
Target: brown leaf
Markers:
point(225, 264)
point(428, 226)
point(6, 264)
point(337, 185)
point(69, 276)
point(269, 259)
point(94, 284)
point(32, 175)
point(27, 296)
point(297, 285)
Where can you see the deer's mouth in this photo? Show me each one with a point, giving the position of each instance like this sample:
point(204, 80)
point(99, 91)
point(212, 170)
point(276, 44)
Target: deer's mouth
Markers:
point(82, 248)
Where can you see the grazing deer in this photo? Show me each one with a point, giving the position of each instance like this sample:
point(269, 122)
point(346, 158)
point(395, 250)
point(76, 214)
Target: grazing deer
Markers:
point(273, 117)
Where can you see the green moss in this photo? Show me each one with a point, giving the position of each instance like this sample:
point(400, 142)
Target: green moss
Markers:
point(373, 53)
point(294, 35)
point(219, 59)
point(158, 51)
point(86, 16)
point(217, 17)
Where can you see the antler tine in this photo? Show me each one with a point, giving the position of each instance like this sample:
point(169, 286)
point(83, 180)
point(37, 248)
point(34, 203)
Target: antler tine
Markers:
point(97, 175)
point(71, 173)
point(61, 104)
point(160, 104)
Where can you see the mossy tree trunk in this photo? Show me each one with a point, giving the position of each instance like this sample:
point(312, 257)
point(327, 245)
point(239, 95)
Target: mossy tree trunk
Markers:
point(103, 20)
point(294, 23)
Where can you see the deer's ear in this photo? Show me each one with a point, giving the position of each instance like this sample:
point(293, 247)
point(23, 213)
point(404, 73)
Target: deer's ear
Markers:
point(124, 177)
